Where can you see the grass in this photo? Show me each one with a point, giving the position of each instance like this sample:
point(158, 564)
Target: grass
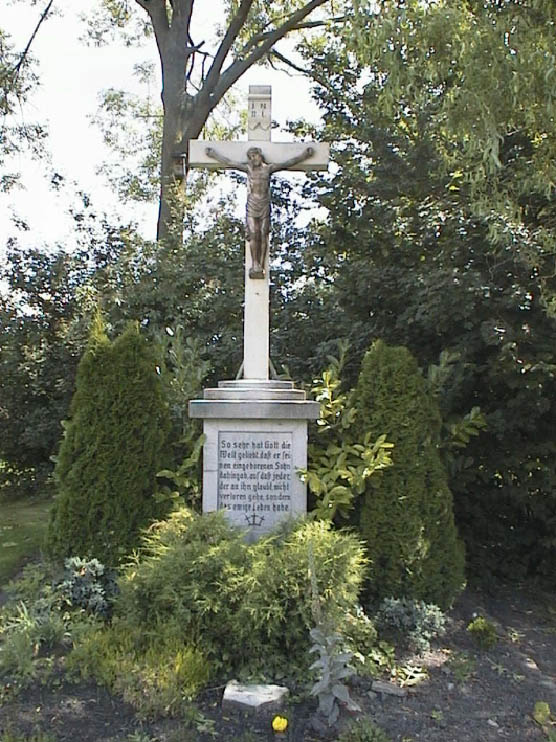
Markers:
point(22, 529)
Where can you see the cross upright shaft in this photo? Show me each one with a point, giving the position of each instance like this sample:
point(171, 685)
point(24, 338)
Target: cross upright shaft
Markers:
point(259, 158)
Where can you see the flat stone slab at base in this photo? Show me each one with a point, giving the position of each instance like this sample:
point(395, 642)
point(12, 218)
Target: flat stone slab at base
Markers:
point(254, 697)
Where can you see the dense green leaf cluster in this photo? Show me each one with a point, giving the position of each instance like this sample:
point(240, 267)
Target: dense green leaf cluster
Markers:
point(406, 516)
point(489, 69)
point(339, 462)
point(247, 607)
point(47, 298)
point(405, 258)
point(113, 447)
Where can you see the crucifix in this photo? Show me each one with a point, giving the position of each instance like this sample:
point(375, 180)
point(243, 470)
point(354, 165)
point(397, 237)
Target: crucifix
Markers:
point(259, 158)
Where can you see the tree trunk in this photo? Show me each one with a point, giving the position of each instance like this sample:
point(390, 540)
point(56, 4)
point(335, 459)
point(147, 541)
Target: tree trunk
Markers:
point(172, 188)
point(184, 118)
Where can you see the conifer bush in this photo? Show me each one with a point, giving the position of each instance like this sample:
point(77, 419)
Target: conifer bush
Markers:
point(113, 447)
point(406, 516)
point(246, 607)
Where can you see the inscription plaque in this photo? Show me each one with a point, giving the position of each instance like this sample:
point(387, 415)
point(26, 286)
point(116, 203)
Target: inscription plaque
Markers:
point(255, 471)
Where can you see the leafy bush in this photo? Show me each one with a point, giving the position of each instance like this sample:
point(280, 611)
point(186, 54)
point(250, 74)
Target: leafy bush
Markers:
point(183, 373)
point(114, 444)
point(483, 632)
point(339, 462)
point(247, 607)
point(360, 637)
point(406, 516)
point(413, 621)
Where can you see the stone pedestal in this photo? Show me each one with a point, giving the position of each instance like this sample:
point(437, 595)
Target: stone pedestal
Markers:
point(256, 439)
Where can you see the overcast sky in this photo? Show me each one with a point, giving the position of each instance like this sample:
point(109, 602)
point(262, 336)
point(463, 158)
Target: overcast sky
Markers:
point(72, 76)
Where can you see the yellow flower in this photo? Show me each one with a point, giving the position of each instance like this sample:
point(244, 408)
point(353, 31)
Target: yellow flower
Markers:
point(279, 724)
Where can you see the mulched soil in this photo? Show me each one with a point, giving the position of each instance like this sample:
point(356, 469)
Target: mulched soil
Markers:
point(469, 695)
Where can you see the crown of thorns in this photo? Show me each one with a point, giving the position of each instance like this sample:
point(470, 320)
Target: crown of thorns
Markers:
point(254, 150)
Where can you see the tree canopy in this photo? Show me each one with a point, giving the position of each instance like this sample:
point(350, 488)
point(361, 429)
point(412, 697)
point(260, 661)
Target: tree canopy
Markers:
point(484, 73)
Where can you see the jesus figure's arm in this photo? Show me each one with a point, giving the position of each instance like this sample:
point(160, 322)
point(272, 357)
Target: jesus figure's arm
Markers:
point(211, 152)
point(309, 152)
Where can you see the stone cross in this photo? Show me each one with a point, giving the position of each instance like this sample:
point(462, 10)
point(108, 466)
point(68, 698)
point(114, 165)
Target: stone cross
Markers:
point(259, 158)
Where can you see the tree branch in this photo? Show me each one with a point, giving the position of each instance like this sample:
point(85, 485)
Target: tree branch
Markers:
point(16, 70)
point(234, 28)
point(253, 41)
point(303, 70)
point(289, 63)
point(232, 74)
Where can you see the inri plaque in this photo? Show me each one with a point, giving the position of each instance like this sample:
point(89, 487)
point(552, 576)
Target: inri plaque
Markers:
point(255, 472)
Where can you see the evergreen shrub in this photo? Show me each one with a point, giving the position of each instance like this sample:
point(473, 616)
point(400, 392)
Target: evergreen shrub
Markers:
point(483, 632)
point(113, 446)
point(246, 607)
point(406, 516)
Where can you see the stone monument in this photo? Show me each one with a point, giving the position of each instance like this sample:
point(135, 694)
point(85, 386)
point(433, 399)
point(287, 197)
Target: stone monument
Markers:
point(256, 427)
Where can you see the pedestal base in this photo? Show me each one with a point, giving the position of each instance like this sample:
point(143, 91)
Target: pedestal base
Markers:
point(256, 440)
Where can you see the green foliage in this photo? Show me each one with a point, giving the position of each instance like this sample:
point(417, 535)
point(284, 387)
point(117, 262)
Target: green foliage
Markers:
point(114, 444)
point(23, 632)
point(38, 735)
point(156, 672)
point(494, 141)
point(247, 607)
point(363, 730)
point(186, 478)
point(205, 300)
point(37, 621)
point(456, 432)
point(360, 637)
point(183, 375)
point(19, 134)
point(37, 363)
point(406, 519)
point(88, 585)
point(483, 632)
point(332, 666)
point(46, 302)
point(340, 463)
point(545, 719)
point(412, 621)
point(405, 258)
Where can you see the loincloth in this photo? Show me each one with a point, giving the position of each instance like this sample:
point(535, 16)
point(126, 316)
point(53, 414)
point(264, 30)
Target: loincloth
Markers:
point(257, 207)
